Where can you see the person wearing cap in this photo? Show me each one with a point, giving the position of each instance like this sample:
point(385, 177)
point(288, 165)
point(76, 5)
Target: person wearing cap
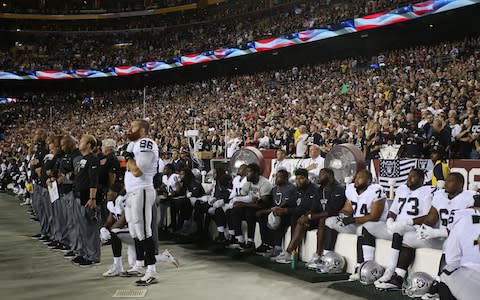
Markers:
point(440, 170)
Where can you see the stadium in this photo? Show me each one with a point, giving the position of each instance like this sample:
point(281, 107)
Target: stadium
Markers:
point(240, 149)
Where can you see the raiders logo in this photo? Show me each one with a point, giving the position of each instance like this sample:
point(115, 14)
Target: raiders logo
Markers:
point(299, 200)
point(422, 164)
point(389, 167)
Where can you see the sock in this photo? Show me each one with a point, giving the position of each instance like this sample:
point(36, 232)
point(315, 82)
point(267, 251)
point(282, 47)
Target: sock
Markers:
point(132, 255)
point(397, 240)
point(221, 229)
point(250, 240)
point(401, 272)
point(325, 251)
point(118, 261)
point(240, 238)
point(140, 263)
point(368, 252)
point(231, 232)
point(405, 259)
point(152, 268)
point(360, 250)
point(393, 258)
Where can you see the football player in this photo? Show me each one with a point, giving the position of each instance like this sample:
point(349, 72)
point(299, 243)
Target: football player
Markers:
point(255, 194)
point(116, 230)
point(168, 190)
point(444, 203)
point(462, 254)
point(365, 203)
point(410, 206)
point(142, 162)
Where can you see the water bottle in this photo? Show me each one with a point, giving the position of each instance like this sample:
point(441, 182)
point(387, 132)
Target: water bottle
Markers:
point(293, 263)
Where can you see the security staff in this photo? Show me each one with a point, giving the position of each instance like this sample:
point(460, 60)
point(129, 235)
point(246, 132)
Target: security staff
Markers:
point(108, 173)
point(88, 217)
point(35, 168)
point(65, 181)
point(440, 170)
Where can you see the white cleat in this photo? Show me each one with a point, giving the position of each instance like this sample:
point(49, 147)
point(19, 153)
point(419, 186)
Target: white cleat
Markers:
point(385, 277)
point(135, 271)
point(149, 278)
point(113, 271)
point(173, 260)
point(283, 258)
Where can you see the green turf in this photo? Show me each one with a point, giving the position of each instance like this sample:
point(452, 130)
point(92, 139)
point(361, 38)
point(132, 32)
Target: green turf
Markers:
point(366, 291)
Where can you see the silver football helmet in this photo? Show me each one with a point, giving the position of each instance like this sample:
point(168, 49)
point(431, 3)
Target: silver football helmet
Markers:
point(370, 271)
point(331, 263)
point(417, 284)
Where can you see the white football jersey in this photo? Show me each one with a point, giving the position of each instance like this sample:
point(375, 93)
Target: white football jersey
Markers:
point(410, 204)
point(237, 183)
point(445, 207)
point(362, 204)
point(171, 182)
point(462, 245)
point(146, 158)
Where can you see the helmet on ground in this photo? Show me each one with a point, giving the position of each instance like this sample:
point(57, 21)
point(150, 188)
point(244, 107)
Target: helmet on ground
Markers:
point(331, 263)
point(370, 271)
point(417, 284)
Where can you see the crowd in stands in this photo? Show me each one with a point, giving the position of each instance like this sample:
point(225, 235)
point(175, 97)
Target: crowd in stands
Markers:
point(218, 29)
point(419, 97)
point(79, 6)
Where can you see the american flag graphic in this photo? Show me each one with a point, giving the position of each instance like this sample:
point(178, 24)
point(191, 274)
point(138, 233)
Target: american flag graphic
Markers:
point(395, 169)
